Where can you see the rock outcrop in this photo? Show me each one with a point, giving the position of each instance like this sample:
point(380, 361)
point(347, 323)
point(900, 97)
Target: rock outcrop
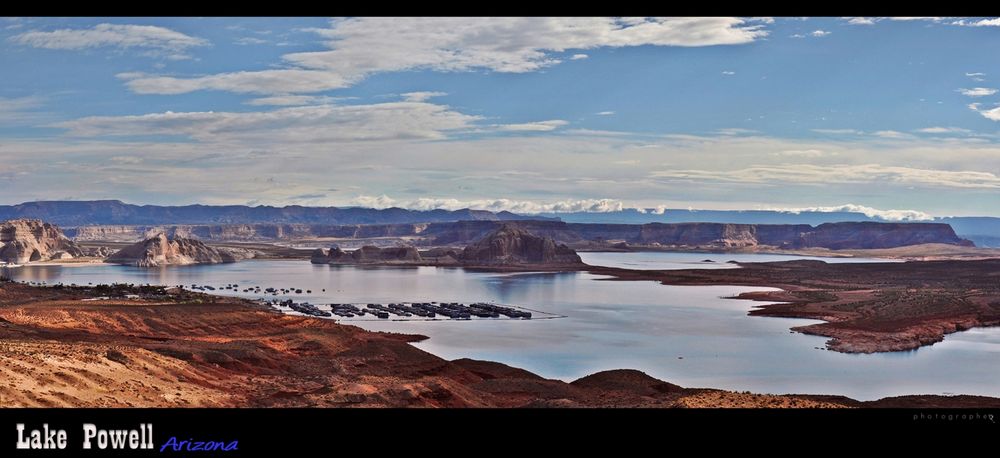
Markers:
point(513, 245)
point(367, 255)
point(28, 240)
point(838, 236)
point(160, 250)
point(510, 245)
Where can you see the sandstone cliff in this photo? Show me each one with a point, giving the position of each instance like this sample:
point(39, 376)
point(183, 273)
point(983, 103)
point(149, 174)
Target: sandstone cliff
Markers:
point(160, 250)
point(838, 236)
point(511, 245)
point(27, 240)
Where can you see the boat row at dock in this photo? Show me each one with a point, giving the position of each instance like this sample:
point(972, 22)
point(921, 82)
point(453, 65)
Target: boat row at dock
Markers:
point(453, 310)
point(252, 289)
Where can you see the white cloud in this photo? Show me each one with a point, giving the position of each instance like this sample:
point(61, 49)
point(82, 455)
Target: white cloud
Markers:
point(578, 56)
point(838, 131)
point(11, 109)
point(308, 124)
point(494, 205)
point(917, 18)
point(291, 100)
point(363, 46)
point(840, 174)
point(814, 33)
point(992, 22)
point(800, 153)
point(243, 41)
point(978, 77)
point(886, 215)
point(272, 82)
point(604, 113)
point(728, 72)
point(159, 41)
point(861, 20)
point(889, 134)
point(944, 130)
point(978, 91)
point(733, 131)
point(422, 96)
point(540, 126)
point(126, 159)
point(992, 114)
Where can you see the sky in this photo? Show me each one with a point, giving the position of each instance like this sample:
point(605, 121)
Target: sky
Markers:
point(893, 115)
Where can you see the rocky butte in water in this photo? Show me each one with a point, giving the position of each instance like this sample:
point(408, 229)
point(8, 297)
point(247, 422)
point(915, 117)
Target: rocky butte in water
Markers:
point(367, 255)
point(160, 250)
point(513, 245)
point(27, 240)
point(509, 245)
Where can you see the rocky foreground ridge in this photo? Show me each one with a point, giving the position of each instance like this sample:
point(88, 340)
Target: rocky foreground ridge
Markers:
point(848, 235)
point(29, 240)
point(161, 250)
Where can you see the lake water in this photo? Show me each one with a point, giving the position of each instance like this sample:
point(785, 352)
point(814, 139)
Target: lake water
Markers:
point(672, 260)
point(687, 335)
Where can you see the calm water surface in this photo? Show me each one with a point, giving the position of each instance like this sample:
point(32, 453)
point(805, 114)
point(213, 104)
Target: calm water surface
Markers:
point(687, 335)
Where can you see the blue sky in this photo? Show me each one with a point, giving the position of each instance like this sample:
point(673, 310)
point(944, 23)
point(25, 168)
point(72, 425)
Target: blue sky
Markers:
point(527, 115)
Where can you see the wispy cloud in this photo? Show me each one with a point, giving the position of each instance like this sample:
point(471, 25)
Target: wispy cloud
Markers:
point(838, 131)
point(840, 174)
point(890, 134)
point(291, 100)
point(814, 34)
point(993, 114)
point(976, 76)
point(728, 72)
point(155, 40)
point(244, 41)
point(604, 113)
point(990, 22)
point(578, 57)
point(800, 153)
point(540, 126)
point(19, 109)
point(422, 96)
point(978, 91)
point(943, 130)
point(861, 20)
point(363, 46)
point(307, 124)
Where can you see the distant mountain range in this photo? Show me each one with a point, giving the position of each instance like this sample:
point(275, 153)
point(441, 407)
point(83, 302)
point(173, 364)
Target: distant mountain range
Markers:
point(114, 212)
point(983, 230)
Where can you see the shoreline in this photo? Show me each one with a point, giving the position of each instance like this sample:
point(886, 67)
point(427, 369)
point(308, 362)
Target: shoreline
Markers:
point(186, 349)
point(860, 312)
